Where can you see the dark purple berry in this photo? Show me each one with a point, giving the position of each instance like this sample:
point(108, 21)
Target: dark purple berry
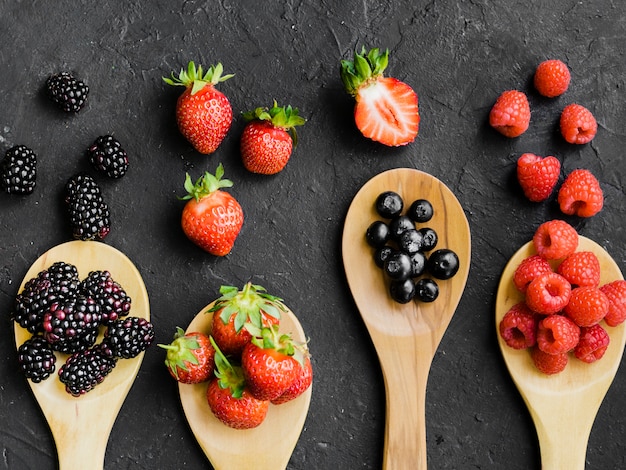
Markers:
point(420, 211)
point(398, 265)
point(410, 241)
point(418, 264)
point(381, 254)
point(443, 263)
point(426, 290)
point(402, 291)
point(398, 225)
point(389, 204)
point(377, 234)
point(429, 238)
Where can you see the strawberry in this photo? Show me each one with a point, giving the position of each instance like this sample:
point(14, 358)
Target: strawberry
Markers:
point(537, 176)
point(203, 113)
point(269, 363)
point(190, 357)
point(268, 138)
point(237, 307)
point(229, 398)
point(386, 109)
point(212, 218)
point(510, 115)
point(303, 380)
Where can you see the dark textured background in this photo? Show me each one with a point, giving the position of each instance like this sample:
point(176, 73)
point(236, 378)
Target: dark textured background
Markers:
point(457, 55)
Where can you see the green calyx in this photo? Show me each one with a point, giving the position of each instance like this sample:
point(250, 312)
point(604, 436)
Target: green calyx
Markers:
point(248, 305)
point(365, 67)
point(180, 351)
point(228, 376)
point(283, 117)
point(269, 337)
point(198, 78)
point(206, 184)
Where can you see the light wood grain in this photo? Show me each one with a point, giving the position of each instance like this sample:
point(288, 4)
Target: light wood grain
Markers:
point(563, 406)
point(81, 426)
point(406, 336)
point(266, 447)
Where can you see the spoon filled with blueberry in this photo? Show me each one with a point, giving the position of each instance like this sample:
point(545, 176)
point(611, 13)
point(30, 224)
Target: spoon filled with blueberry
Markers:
point(406, 250)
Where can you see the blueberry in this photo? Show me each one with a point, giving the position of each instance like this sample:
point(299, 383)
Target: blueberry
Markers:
point(426, 290)
point(402, 291)
point(443, 264)
point(429, 238)
point(389, 204)
point(377, 234)
point(418, 264)
point(398, 265)
point(420, 211)
point(398, 225)
point(381, 254)
point(410, 241)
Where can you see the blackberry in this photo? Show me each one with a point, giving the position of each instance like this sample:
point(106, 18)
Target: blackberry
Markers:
point(84, 370)
point(71, 325)
point(66, 91)
point(57, 282)
point(36, 359)
point(108, 293)
point(18, 171)
point(88, 212)
point(107, 156)
point(128, 337)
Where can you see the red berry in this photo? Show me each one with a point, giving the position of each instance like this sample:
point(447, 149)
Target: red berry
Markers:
point(549, 364)
point(587, 306)
point(510, 115)
point(581, 268)
point(528, 270)
point(548, 293)
point(592, 344)
point(578, 126)
point(518, 327)
point(537, 176)
point(616, 293)
point(557, 334)
point(552, 78)
point(581, 194)
point(555, 239)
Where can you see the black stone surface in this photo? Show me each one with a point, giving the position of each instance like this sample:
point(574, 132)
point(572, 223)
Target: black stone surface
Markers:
point(457, 55)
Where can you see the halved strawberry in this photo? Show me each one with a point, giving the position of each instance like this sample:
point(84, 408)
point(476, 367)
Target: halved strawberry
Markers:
point(386, 109)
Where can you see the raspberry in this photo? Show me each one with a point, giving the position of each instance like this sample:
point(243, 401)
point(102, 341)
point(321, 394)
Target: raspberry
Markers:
point(557, 334)
point(587, 306)
point(581, 268)
point(578, 126)
point(537, 176)
point(580, 194)
point(548, 293)
point(549, 364)
point(552, 78)
point(528, 270)
point(592, 344)
point(518, 327)
point(555, 239)
point(510, 115)
point(616, 293)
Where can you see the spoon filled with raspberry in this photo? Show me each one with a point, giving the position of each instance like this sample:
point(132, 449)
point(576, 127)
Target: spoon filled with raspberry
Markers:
point(407, 304)
point(560, 309)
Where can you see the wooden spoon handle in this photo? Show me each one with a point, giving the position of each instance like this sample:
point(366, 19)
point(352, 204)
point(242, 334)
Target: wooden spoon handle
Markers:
point(82, 453)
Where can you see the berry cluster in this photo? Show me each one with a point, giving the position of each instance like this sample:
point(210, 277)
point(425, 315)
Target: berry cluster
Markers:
point(405, 252)
point(67, 315)
point(18, 170)
point(564, 304)
point(246, 361)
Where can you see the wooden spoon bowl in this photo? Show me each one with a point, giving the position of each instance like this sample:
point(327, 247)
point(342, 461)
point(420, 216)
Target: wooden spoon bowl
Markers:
point(266, 447)
point(81, 426)
point(405, 336)
point(563, 406)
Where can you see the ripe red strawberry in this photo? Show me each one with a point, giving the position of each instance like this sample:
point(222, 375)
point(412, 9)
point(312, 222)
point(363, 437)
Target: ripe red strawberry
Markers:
point(549, 363)
point(537, 176)
point(580, 194)
point(555, 239)
point(587, 306)
point(581, 268)
point(268, 364)
point(578, 126)
point(528, 270)
point(235, 308)
point(268, 138)
point(592, 344)
point(303, 380)
point(551, 78)
point(203, 113)
point(212, 218)
point(229, 398)
point(518, 327)
point(510, 115)
point(386, 109)
point(557, 334)
point(616, 293)
point(190, 357)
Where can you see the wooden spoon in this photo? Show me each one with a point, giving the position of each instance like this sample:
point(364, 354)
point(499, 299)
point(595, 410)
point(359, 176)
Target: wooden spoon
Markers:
point(81, 426)
point(266, 447)
point(563, 406)
point(406, 336)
